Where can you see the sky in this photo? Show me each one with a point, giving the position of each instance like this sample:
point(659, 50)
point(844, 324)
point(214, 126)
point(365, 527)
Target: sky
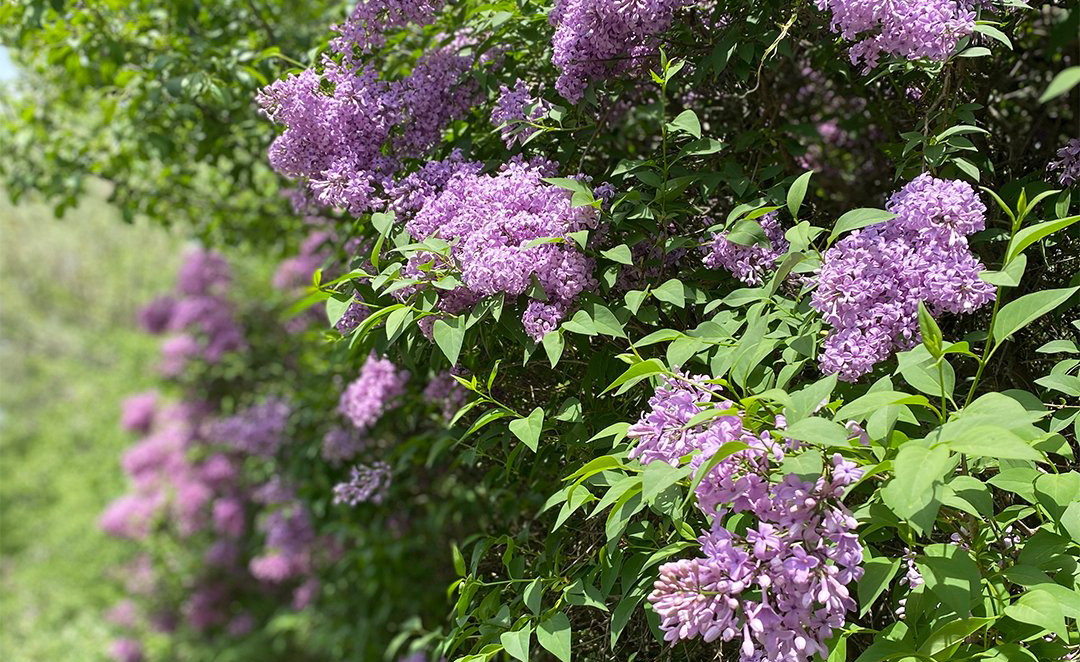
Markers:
point(7, 69)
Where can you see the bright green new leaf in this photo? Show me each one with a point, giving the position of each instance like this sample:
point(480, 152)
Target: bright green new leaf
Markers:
point(528, 429)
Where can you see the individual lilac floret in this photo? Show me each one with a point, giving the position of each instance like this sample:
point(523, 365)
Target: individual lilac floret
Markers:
point(367, 483)
point(257, 430)
point(599, 39)
point(1068, 162)
point(751, 263)
point(491, 222)
point(138, 412)
point(514, 110)
point(912, 29)
point(871, 282)
point(372, 393)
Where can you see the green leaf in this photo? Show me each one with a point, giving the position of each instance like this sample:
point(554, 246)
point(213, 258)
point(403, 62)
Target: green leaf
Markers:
point(991, 441)
point(1038, 607)
point(725, 451)
point(335, 308)
point(1028, 308)
point(533, 595)
point(797, 193)
point(953, 633)
point(554, 635)
point(658, 476)
point(620, 254)
point(459, 560)
point(748, 232)
point(449, 336)
point(875, 400)
point(914, 492)
point(672, 291)
point(553, 346)
point(1056, 491)
point(688, 122)
point(637, 372)
point(994, 33)
point(818, 431)
point(1031, 234)
point(1010, 276)
point(528, 429)
point(859, 218)
point(1062, 83)
point(877, 573)
point(952, 575)
point(516, 643)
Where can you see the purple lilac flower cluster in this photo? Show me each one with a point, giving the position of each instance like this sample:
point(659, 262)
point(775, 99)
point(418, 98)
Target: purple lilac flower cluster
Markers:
point(444, 391)
point(871, 282)
point(367, 483)
point(341, 443)
point(782, 585)
point(749, 264)
point(258, 430)
point(599, 39)
point(912, 29)
point(336, 140)
point(370, 20)
point(198, 315)
point(491, 222)
point(514, 109)
point(368, 397)
point(1068, 163)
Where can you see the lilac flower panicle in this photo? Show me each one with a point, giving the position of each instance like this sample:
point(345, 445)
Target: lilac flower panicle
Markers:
point(367, 483)
point(155, 316)
point(491, 222)
point(870, 283)
point(912, 29)
point(368, 397)
point(354, 315)
point(126, 649)
point(341, 443)
point(443, 390)
point(749, 264)
point(781, 588)
point(515, 107)
point(257, 430)
point(203, 272)
point(370, 20)
point(138, 412)
point(1068, 163)
point(600, 39)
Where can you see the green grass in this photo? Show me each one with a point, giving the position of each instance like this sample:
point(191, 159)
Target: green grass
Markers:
point(69, 352)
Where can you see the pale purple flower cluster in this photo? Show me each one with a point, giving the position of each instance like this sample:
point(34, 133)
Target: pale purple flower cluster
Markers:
point(599, 39)
point(368, 397)
point(336, 140)
point(354, 316)
point(1068, 163)
point(514, 109)
point(138, 412)
point(443, 390)
point(409, 194)
point(342, 443)
point(871, 282)
point(297, 271)
point(370, 20)
point(750, 264)
point(912, 29)
point(290, 538)
point(367, 483)
point(505, 231)
point(258, 430)
point(782, 586)
point(126, 649)
point(199, 316)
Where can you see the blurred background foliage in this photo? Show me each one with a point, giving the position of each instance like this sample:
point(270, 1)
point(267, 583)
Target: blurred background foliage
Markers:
point(69, 352)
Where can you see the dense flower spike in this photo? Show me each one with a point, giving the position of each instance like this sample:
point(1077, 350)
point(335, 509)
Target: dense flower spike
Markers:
point(871, 282)
point(367, 483)
point(599, 39)
point(492, 222)
point(369, 396)
point(514, 109)
point(370, 20)
point(912, 29)
point(336, 140)
point(751, 263)
point(257, 430)
point(782, 586)
point(138, 412)
point(342, 443)
point(1068, 163)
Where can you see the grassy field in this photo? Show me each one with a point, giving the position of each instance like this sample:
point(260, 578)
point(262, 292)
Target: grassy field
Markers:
point(69, 353)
